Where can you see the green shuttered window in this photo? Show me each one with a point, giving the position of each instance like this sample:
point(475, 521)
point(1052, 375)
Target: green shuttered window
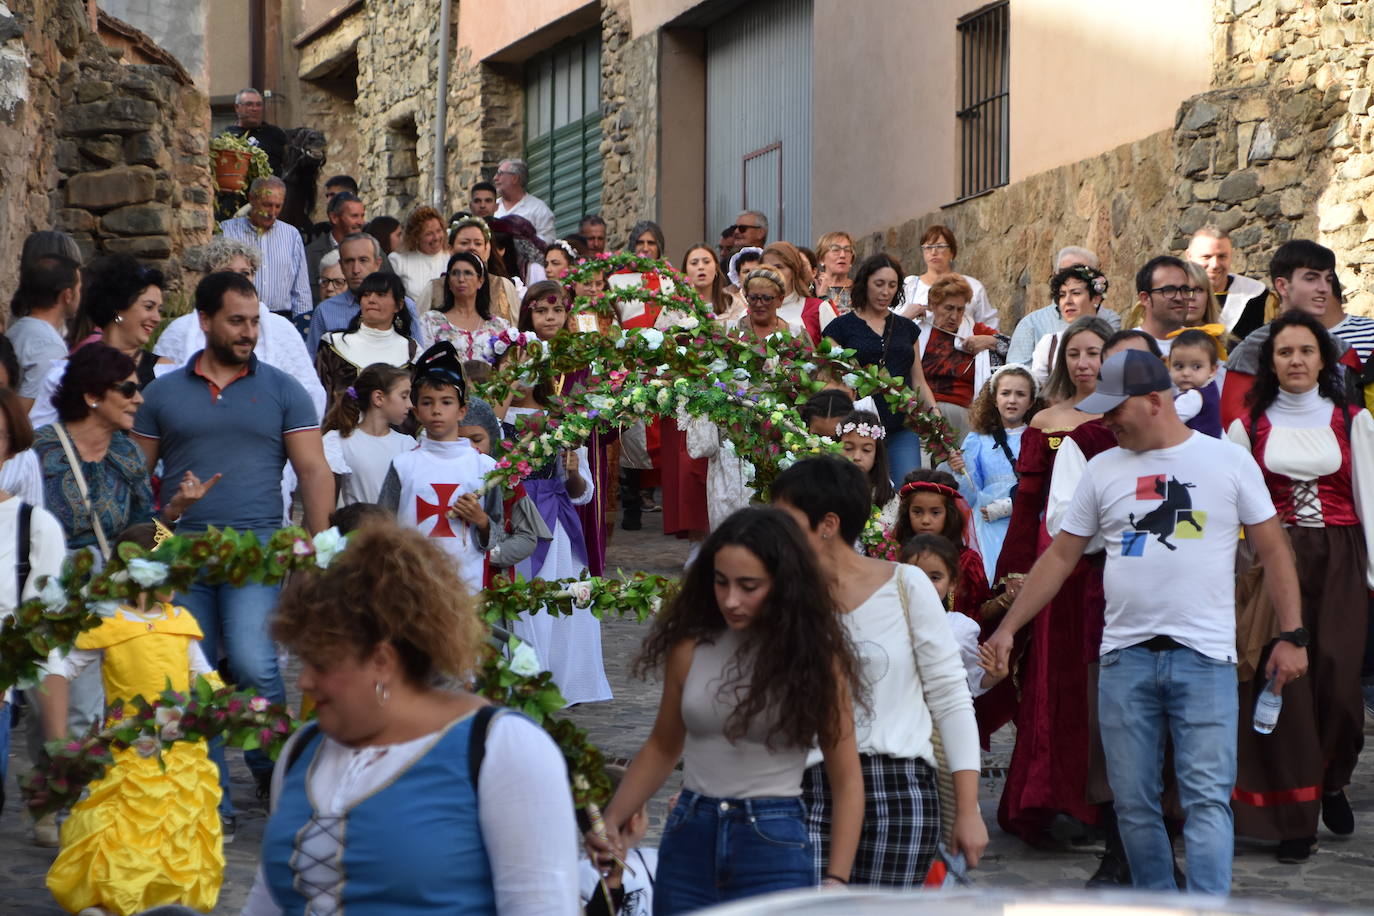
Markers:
point(563, 129)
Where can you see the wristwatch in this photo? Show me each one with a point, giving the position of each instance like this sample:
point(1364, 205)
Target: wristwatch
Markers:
point(1299, 637)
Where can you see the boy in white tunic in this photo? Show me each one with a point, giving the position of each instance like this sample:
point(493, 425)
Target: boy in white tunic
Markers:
point(433, 488)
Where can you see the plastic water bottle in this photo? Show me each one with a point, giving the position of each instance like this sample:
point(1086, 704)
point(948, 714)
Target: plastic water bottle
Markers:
point(1267, 708)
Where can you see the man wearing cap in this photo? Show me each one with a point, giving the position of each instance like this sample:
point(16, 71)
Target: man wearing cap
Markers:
point(1168, 504)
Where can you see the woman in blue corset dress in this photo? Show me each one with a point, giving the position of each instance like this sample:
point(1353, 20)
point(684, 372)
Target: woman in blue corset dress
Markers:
point(407, 798)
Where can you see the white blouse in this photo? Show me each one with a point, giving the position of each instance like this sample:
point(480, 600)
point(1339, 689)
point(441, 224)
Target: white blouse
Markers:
point(901, 676)
point(524, 807)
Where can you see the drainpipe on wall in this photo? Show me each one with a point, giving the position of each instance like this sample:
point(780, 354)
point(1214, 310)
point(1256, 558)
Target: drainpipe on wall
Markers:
point(441, 109)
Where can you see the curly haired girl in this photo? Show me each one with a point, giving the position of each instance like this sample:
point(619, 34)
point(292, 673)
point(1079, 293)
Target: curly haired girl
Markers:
point(757, 668)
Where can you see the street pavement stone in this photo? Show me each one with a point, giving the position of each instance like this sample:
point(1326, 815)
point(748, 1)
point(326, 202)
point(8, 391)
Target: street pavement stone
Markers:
point(1340, 873)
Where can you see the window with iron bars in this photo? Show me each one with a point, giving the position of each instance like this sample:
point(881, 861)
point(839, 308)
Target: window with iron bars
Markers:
point(984, 104)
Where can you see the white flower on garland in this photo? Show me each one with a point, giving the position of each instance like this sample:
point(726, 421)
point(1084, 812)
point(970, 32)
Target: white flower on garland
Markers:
point(329, 543)
point(581, 592)
point(168, 720)
point(147, 573)
point(523, 660)
point(652, 337)
point(52, 595)
point(146, 745)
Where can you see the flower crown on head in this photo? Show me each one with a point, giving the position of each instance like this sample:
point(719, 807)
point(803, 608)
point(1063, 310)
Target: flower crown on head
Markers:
point(1095, 279)
point(868, 430)
point(566, 247)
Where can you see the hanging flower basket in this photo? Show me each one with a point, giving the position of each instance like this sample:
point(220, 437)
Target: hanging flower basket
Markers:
point(231, 169)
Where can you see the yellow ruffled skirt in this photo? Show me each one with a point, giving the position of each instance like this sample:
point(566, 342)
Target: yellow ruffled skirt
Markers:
point(144, 837)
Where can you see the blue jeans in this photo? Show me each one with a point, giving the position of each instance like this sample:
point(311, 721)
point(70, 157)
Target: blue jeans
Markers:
point(715, 850)
point(1142, 696)
point(239, 616)
point(903, 454)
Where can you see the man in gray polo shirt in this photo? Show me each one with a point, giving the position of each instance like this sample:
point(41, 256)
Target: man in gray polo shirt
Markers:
point(227, 413)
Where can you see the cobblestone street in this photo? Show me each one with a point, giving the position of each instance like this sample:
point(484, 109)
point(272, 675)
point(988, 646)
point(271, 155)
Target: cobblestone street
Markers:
point(1340, 874)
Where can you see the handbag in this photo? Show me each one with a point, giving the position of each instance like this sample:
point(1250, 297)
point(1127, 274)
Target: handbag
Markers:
point(944, 779)
point(74, 461)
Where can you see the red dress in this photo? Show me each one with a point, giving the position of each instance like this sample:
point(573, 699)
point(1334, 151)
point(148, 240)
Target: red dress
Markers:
point(1048, 774)
point(684, 483)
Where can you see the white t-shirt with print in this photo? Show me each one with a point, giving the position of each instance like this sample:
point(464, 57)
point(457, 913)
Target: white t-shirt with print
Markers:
point(1170, 520)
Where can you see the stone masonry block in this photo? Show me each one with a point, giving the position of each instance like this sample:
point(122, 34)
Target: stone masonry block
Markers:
point(110, 188)
point(144, 246)
point(120, 116)
point(139, 219)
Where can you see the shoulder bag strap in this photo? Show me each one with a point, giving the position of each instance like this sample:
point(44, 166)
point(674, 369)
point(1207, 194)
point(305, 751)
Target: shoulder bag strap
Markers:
point(23, 566)
point(74, 460)
point(477, 741)
point(944, 779)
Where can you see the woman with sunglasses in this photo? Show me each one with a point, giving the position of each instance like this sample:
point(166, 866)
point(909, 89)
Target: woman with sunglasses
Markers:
point(463, 316)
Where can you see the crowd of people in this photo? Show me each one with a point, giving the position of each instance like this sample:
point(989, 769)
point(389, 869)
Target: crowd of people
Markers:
point(1075, 566)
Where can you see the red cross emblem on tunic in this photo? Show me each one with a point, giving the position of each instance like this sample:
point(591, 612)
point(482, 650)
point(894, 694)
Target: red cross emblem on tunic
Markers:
point(423, 510)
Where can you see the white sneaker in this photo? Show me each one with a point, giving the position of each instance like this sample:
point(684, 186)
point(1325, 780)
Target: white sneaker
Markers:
point(45, 832)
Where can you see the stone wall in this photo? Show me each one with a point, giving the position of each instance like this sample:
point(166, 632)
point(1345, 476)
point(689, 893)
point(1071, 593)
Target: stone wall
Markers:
point(486, 116)
point(1119, 204)
point(1282, 147)
point(629, 122)
point(326, 95)
point(115, 154)
point(395, 106)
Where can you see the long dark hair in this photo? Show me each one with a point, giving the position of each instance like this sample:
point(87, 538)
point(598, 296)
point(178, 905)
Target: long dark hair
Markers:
point(796, 654)
point(483, 292)
point(1265, 389)
point(536, 292)
point(858, 291)
point(386, 284)
point(954, 519)
point(717, 279)
point(348, 409)
point(110, 284)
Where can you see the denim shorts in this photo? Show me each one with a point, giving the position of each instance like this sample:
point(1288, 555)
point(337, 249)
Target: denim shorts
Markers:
point(715, 850)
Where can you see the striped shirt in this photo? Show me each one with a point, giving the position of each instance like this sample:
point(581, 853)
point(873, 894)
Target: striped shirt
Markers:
point(283, 281)
point(1358, 332)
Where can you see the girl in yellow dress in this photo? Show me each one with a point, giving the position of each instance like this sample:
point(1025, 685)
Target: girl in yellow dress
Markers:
point(143, 836)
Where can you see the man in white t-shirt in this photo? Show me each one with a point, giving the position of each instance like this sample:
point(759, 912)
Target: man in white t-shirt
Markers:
point(511, 177)
point(1169, 504)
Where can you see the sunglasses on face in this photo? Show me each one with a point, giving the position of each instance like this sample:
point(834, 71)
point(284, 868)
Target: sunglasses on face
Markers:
point(738, 227)
point(125, 389)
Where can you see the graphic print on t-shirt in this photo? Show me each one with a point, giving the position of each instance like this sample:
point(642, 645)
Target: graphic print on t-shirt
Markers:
point(1174, 517)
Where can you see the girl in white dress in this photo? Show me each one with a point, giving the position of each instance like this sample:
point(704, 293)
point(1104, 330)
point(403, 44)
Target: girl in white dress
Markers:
point(359, 441)
point(568, 646)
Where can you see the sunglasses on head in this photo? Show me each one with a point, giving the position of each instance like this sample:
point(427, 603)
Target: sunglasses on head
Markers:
point(126, 389)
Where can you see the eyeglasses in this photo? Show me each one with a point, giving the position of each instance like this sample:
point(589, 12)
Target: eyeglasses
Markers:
point(739, 227)
point(125, 389)
point(331, 283)
point(843, 249)
point(464, 275)
point(760, 299)
point(1177, 292)
point(931, 249)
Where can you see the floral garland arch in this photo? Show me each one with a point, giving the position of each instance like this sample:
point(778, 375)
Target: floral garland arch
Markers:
point(750, 388)
point(77, 602)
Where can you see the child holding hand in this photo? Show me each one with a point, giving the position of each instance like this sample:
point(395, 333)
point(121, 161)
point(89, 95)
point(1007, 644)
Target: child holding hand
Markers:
point(939, 560)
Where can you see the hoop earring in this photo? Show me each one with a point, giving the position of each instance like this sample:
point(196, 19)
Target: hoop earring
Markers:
point(383, 692)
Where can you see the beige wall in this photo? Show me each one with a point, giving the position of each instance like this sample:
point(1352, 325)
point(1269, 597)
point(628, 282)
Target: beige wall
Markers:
point(230, 57)
point(1127, 82)
point(883, 143)
point(1111, 60)
point(647, 15)
point(488, 26)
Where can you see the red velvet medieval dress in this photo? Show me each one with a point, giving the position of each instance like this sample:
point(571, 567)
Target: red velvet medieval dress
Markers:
point(1048, 773)
point(1321, 478)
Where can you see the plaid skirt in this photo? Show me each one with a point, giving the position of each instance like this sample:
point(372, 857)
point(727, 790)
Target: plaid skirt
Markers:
point(901, 827)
